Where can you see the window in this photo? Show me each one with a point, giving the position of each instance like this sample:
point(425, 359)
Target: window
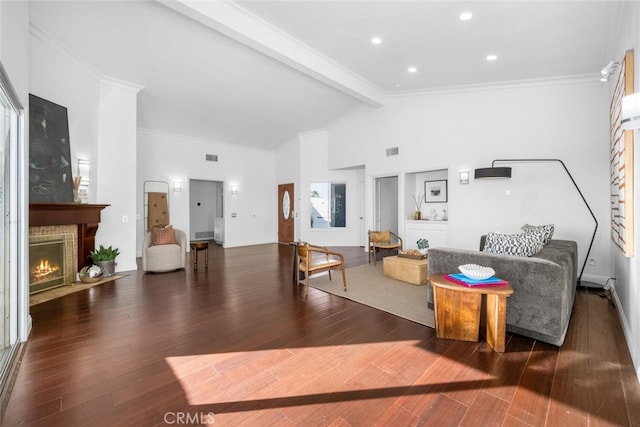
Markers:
point(328, 205)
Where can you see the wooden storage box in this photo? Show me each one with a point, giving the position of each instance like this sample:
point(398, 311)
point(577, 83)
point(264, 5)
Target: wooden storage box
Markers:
point(408, 270)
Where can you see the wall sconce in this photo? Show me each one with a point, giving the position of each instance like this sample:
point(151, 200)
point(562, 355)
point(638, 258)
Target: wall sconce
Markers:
point(607, 70)
point(84, 177)
point(234, 188)
point(84, 172)
point(492, 172)
point(177, 186)
point(630, 116)
point(464, 177)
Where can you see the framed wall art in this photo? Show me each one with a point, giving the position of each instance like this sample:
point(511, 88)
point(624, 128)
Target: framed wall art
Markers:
point(50, 177)
point(621, 152)
point(435, 191)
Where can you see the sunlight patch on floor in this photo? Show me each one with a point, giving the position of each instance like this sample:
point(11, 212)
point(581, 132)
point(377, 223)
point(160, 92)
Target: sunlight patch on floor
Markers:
point(288, 373)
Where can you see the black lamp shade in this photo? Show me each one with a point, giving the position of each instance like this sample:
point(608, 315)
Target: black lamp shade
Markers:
point(503, 172)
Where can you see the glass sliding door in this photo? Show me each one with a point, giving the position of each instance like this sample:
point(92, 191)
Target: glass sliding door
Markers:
point(11, 128)
point(5, 230)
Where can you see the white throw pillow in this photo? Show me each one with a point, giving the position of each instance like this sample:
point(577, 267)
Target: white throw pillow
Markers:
point(545, 231)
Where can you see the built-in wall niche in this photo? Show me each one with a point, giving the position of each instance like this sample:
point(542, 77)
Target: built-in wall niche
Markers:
point(428, 191)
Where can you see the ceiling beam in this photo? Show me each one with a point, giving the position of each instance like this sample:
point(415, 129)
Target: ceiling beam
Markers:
point(239, 24)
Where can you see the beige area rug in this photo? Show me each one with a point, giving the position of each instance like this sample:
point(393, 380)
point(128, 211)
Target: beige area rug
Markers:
point(367, 285)
point(43, 296)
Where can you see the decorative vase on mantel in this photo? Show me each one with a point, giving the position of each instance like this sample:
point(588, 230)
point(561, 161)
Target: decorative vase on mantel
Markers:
point(417, 215)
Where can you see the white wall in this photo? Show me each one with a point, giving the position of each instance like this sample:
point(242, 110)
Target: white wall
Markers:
point(58, 76)
point(116, 169)
point(314, 168)
point(288, 171)
point(627, 270)
point(467, 128)
point(165, 157)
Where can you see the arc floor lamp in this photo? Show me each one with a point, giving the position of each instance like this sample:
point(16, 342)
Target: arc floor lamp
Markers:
point(505, 172)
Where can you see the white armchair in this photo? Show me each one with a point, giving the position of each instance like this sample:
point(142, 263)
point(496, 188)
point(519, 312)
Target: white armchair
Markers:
point(167, 257)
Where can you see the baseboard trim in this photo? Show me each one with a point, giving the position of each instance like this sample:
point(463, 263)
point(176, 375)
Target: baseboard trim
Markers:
point(593, 281)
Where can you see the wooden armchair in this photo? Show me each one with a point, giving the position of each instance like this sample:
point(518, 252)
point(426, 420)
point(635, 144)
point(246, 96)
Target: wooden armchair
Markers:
point(383, 240)
point(315, 259)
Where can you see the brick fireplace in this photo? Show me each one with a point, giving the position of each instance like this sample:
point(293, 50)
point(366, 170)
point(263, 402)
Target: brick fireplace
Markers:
point(61, 236)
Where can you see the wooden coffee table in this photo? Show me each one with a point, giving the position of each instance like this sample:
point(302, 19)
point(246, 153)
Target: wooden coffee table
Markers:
point(457, 311)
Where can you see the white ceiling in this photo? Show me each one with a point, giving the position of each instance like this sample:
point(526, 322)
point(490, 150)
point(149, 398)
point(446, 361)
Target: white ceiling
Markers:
point(256, 73)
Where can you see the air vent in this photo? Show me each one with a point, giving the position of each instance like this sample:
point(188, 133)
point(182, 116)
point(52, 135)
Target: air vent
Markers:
point(392, 151)
point(211, 157)
point(204, 234)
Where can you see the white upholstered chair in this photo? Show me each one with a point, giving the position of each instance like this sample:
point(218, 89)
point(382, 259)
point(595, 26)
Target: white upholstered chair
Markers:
point(164, 257)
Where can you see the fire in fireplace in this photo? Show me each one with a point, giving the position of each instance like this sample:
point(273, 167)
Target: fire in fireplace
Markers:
point(45, 270)
point(51, 261)
point(45, 261)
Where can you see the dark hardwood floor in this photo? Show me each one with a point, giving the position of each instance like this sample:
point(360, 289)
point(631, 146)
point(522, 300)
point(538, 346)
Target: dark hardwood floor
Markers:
point(239, 345)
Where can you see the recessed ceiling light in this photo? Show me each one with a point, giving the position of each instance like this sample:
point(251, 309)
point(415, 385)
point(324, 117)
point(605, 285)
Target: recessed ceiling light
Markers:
point(412, 69)
point(376, 40)
point(492, 57)
point(465, 16)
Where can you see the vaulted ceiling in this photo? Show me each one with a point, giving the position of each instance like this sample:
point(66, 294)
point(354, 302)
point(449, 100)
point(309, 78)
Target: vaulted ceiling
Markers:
point(256, 73)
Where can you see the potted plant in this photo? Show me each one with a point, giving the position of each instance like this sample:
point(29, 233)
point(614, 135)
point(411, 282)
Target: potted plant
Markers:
point(423, 245)
point(418, 201)
point(105, 258)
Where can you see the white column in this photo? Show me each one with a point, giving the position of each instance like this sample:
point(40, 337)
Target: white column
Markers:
point(116, 169)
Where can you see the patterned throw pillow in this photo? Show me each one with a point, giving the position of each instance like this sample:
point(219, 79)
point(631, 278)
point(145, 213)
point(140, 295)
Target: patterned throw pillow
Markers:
point(545, 231)
point(522, 244)
point(163, 235)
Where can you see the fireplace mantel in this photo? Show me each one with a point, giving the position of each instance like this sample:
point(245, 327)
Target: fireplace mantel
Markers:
point(86, 216)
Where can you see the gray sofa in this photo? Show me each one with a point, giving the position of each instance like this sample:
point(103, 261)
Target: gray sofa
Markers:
point(544, 285)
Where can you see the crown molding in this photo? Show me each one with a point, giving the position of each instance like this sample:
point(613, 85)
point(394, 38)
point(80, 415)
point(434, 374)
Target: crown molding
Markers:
point(513, 84)
point(289, 142)
point(40, 33)
point(312, 132)
point(122, 84)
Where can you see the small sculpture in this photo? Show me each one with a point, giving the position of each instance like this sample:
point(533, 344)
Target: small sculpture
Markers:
point(90, 274)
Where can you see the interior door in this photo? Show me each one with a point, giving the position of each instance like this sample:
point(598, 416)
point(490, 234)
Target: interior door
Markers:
point(285, 213)
point(386, 203)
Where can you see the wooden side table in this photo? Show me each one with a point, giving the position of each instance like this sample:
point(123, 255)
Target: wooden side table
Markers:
point(199, 246)
point(457, 311)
